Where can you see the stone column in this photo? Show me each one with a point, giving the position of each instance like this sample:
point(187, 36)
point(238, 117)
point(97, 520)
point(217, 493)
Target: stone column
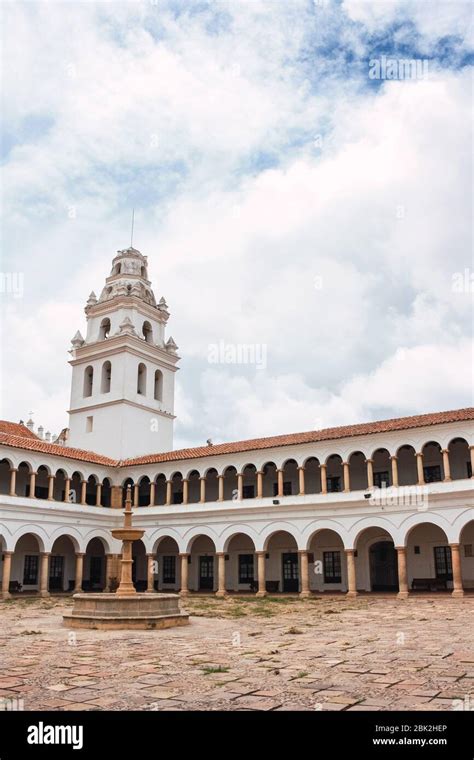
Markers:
point(446, 465)
point(259, 484)
point(83, 491)
point(185, 490)
point(280, 482)
point(457, 574)
point(98, 494)
point(262, 591)
point(13, 473)
point(184, 591)
point(324, 479)
point(169, 492)
point(402, 572)
point(202, 490)
point(32, 484)
point(109, 560)
point(419, 468)
point(351, 573)
point(151, 502)
point(150, 578)
point(240, 486)
point(394, 461)
point(346, 477)
point(471, 449)
point(7, 569)
point(370, 472)
point(67, 488)
point(220, 574)
point(136, 495)
point(221, 487)
point(51, 487)
point(44, 573)
point(301, 482)
point(304, 570)
point(79, 572)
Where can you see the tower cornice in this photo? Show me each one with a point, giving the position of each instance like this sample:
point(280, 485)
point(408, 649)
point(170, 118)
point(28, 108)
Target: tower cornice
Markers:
point(116, 344)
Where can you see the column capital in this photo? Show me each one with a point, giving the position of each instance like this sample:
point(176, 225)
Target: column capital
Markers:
point(45, 554)
point(7, 552)
point(259, 472)
point(393, 457)
point(15, 469)
point(80, 554)
point(303, 551)
point(220, 554)
point(455, 545)
point(202, 477)
point(323, 464)
point(346, 464)
point(445, 451)
point(418, 453)
point(261, 551)
point(301, 467)
point(401, 548)
point(184, 554)
point(349, 551)
point(369, 460)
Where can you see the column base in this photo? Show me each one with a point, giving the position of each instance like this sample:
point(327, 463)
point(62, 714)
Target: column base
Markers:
point(352, 593)
point(221, 594)
point(261, 593)
point(79, 590)
point(457, 592)
point(304, 594)
point(150, 591)
point(184, 592)
point(44, 593)
point(402, 595)
point(5, 595)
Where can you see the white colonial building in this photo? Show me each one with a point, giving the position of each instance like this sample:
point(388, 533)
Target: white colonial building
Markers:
point(381, 506)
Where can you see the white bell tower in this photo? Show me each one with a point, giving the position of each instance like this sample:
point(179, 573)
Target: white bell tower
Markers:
point(122, 393)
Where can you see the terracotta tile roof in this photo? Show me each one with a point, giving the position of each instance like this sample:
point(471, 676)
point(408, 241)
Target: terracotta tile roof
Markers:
point(36, 444)
point(16, 428)
point(312, 436)
point(254, 444)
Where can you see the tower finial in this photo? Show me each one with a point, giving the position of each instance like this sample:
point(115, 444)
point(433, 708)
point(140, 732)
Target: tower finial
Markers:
point(133, 221)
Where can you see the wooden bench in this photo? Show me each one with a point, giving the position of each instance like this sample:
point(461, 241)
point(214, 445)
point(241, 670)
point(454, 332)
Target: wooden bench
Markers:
point(429, 584)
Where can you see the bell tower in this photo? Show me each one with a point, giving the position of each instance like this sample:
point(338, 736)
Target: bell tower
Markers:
point(123, 372)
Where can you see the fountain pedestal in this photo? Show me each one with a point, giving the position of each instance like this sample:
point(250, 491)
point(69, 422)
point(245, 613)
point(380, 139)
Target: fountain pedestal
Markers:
point(126, 608)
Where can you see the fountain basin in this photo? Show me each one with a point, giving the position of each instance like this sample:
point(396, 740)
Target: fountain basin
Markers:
point(137, 611)
point(127, 534)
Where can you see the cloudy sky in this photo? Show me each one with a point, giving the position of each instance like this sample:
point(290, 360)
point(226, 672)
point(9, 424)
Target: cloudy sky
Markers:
point(285, 199)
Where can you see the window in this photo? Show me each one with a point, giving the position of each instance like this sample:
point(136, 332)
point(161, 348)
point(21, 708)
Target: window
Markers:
point(432, 473)
point(88, 381)
point(468, 550)
point(96, 571)
point(381, 479)
point(106, 377)
point(89, 424)
point(245, 568)
point(158, 385)
point(443, 563)
point(104, 329)
point(147, 332)
point(169, 569)
point(334, 483)
point(417, 550)
point(287, 488)
point(141, 379)
point(248, 492)
point(332, 567)
point(178, 497)
point(30, 571)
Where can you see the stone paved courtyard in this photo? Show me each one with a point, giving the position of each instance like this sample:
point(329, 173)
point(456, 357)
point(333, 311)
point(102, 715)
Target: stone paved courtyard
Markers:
point(369, 653)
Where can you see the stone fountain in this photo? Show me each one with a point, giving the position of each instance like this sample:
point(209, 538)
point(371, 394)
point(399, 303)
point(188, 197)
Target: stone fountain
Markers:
point(125, 608)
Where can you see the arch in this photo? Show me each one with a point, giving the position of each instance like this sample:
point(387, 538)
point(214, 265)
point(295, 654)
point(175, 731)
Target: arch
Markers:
point(144, 491)
point(31, 530)
point(407, 468)
point(153, 542)
point(290, 477)
point(230, 483)
point(357, 470)
point(312, 475)
point(203, 531)
point(426, 518)
point(23, 479)
point(378, 523)
point(459, 459)
point(311, 531)
point(141, 379)
point(42, 482)
point(104, 538)
point(94, 565)
point(147, 332)
point(334, 473)
point(88, 381)
point(160, 489)
point(433, 469)
point(249, 481)
point(106, 377)
point(72, 533)
point(106, 493)
point(270, 479)
point(104, 329)
point(212, 484)
point(279, 527)
point(382, 467)
point(236, 530)
point(158, 385)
